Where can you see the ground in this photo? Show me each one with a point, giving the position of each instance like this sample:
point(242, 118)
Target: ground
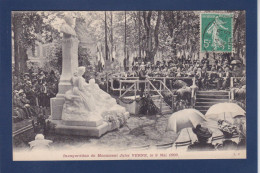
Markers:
point(139, 131)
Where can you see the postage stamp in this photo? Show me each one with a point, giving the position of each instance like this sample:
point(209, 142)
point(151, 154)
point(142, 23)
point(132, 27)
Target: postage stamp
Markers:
point(216, 32)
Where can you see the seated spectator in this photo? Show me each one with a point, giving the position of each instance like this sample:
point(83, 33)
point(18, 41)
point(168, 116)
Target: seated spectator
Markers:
point(26, 105)
point(226, 78)
point(203, 134)
point(18, 113)
point(21, 104)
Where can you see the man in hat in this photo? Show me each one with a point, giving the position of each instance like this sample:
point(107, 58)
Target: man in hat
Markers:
point(226, 78)
point(142, 76)
point(203, 134)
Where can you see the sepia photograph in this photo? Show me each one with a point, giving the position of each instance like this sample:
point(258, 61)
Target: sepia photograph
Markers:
point(128, 85)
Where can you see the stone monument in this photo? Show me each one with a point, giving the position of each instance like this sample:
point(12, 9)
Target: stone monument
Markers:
point(69, 65)
point(81, 108)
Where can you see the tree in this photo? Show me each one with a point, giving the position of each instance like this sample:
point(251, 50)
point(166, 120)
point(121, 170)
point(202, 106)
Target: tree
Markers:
point(151, 34)
point(54, 56)
point(239, 35)
point(182, 32)
point(27, 27)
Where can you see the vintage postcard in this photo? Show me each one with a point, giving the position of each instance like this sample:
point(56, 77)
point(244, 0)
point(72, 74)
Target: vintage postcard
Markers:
point(128, 85)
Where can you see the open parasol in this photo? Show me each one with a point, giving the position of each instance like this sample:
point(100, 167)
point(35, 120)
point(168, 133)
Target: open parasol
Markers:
point(184, 119)
point(224, 111)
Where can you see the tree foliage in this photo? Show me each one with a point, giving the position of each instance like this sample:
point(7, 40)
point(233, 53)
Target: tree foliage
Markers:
point(173, 33)
point(28, 27)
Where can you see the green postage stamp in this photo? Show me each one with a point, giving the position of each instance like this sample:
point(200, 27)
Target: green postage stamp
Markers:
point(216, 32)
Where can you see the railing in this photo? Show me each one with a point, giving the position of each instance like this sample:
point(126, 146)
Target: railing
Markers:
point(173, 99)
point(149, 87)
point(193, 93)
point(134, 82)
point(128, 79)
point(159, 92)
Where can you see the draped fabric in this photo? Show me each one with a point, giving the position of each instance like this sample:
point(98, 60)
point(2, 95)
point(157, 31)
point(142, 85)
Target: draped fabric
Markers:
point(87, 99)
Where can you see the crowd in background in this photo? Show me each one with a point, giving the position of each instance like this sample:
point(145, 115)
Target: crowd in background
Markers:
point(32, 92)
point(214, 74)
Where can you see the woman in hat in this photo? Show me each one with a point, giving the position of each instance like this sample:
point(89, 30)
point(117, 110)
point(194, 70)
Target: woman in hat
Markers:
point(228, 131)
point(203, 134)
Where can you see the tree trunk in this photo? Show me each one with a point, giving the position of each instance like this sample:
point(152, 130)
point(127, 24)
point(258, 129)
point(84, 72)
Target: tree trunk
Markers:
point(20, 54)
point(112, 44)
point(139, 32)
point(106, 36)
point(125, 37)
point(151, 48)
point(156, 35)
point(16, 38)
point(23, 59)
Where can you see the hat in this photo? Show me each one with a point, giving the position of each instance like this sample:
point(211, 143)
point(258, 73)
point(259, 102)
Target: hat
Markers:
point(228, 130)
point(26, 74)
point(20, 91)
point(202, 132)
point(227, 68)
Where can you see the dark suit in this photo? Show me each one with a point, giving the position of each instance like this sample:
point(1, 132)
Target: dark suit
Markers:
point(142, 85)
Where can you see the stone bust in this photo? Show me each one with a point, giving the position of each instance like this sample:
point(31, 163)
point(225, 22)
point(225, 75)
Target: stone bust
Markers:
point(67, 27)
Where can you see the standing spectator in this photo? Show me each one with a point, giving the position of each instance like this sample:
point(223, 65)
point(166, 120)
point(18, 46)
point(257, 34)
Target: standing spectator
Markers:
point(142, 76)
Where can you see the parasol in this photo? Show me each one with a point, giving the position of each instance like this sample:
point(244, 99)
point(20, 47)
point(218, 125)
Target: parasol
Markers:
point(184, 119)
point(224, 111)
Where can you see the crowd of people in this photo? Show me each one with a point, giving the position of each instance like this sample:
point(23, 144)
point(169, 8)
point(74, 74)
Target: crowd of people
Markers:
point(209, 74)
point(32, 92)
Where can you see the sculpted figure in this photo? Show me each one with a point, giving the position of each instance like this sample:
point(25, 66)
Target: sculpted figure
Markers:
point(67, 28)
point(87, 99)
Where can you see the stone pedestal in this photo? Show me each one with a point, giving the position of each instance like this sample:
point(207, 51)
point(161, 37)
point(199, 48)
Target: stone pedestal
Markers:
point(69, 63)
point(56, 107)
point(78, 130)
point(132, 108)
point(69, 67)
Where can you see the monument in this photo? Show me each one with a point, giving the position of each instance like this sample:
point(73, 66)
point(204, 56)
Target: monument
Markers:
point(81, 108)
point(69, 65)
